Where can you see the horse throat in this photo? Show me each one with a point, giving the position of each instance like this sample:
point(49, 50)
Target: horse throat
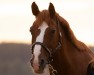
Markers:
point(61, 59)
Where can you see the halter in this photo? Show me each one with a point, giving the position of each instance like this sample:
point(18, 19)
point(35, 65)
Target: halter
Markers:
point(50, 51)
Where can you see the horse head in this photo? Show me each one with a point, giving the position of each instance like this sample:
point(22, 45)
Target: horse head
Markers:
point(45, 37)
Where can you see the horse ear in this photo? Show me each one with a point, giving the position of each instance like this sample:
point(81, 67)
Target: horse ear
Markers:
point(51, 10)
point(35, 9)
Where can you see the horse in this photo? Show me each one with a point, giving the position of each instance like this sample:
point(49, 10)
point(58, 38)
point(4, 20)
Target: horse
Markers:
point(55, 49)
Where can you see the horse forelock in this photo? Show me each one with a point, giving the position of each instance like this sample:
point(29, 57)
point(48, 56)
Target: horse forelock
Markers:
point(43, 16)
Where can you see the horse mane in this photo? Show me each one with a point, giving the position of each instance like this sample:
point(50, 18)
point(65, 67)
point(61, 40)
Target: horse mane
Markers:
point(70, 35)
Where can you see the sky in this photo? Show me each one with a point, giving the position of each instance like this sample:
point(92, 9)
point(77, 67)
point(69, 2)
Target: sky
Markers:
point(16, 18)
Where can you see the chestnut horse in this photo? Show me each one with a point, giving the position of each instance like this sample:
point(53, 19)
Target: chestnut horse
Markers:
point(55, 49)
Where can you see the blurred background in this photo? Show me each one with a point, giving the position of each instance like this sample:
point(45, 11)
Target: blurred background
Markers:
point(16, 19)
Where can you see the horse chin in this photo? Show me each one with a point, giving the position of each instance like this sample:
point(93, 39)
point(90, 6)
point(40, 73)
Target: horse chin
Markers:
point(42, 71)
point(39, 71)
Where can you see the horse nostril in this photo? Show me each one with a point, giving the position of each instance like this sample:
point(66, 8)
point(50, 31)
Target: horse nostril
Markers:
point(42, 61)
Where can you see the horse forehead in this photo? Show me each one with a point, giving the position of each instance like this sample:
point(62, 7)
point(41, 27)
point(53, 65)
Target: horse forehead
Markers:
point(42, 29)
point(43, 26)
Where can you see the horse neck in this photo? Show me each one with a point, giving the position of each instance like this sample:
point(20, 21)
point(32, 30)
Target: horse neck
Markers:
point(67, 45)
point(62, 57)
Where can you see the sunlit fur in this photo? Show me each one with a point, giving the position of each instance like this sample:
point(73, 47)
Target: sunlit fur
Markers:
point(74, 56)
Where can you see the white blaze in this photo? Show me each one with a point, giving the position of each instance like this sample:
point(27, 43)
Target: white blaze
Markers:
point(39, 38)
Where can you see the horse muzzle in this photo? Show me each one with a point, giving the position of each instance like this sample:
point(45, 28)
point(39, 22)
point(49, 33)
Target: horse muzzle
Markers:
point(38, 67)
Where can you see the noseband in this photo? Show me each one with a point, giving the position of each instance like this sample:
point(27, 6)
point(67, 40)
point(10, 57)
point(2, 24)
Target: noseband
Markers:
point(50, 51)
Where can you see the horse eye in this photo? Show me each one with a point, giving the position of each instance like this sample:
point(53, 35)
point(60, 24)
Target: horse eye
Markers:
point(53, 31)
point(31, 30)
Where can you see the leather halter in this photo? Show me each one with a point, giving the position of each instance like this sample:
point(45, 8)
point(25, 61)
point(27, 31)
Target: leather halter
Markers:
point(50, 51)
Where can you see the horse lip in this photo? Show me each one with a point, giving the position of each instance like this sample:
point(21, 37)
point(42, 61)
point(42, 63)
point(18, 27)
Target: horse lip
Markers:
point(38, 70)
point(35, 67)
